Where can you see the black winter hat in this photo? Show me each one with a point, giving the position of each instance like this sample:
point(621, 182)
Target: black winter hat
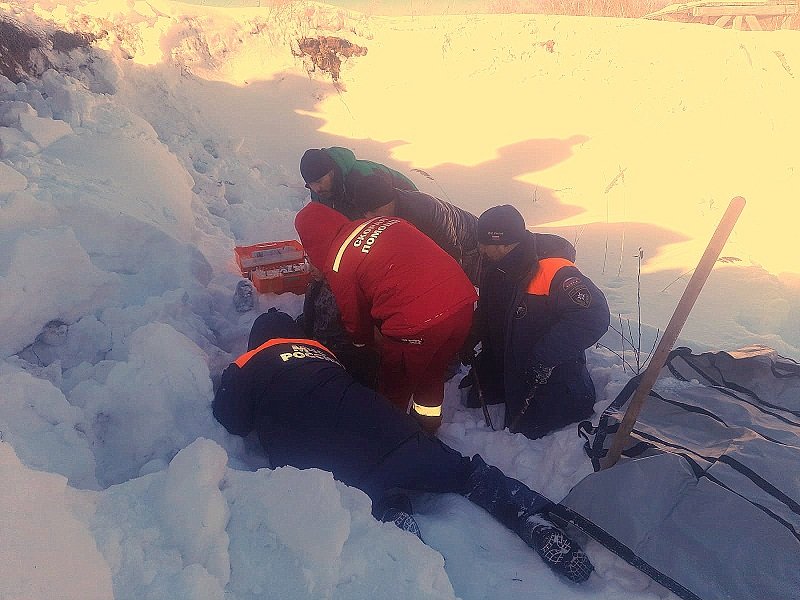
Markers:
point(272, 324)
point(315, 163)
point(501, 225)
point(368, 191)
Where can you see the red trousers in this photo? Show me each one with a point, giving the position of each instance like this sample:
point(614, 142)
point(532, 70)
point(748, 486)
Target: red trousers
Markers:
point(417, 365)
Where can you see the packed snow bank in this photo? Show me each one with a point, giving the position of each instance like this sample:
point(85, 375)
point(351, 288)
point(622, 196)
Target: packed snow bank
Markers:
point(127, 178)
point(47, 550)
point(196, 527)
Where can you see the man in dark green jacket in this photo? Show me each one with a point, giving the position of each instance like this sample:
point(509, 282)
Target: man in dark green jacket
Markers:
point(327, 173)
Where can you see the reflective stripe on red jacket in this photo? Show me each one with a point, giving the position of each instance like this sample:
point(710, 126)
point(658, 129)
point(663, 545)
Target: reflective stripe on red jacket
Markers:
point(383, 271)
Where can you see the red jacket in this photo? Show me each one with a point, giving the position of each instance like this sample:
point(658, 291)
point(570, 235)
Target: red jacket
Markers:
point(383, 271)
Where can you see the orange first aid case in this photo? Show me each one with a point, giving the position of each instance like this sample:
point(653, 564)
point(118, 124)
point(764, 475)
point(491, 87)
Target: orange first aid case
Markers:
point(275, 267)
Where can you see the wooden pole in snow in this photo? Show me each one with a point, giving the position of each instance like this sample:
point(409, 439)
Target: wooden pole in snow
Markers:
point(690, 294)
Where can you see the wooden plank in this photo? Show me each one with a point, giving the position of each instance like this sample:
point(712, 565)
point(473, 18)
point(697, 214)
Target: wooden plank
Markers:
point(672, 10)
point(715, 8)
point(752, 23)
point(737, 22)
point(742, 3)
point(761, 11)
point(723, 21)
point(673, 329)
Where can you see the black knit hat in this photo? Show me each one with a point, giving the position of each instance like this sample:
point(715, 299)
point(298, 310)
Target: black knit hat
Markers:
point(315, 164)
point(273, 324)
point(370, 190)
point(501, 225)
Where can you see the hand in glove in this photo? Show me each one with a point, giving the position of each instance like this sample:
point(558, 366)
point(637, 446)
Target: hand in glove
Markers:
point(467, 356)
point(538, 374)
point(363, 363)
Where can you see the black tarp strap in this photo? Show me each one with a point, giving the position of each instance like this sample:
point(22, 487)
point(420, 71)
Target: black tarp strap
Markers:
point(567, 516)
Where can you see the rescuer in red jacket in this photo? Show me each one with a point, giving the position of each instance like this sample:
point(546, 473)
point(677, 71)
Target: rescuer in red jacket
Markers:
point(387, 275)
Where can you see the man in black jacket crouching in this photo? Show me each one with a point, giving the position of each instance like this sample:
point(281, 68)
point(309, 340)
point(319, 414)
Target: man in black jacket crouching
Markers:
point(536, 316)
point(310, 413)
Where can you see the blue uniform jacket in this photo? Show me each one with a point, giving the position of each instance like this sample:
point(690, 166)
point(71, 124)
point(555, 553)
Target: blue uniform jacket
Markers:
point(537, 309)
point(308, 411)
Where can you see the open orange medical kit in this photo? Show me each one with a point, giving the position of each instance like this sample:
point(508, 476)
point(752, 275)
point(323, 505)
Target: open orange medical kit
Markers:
point(275, 267)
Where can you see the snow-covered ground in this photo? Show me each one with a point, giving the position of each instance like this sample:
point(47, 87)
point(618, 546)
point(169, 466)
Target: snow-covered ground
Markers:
point(127, 178)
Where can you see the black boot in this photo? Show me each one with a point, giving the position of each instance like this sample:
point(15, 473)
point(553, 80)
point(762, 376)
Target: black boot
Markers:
point(524, 512)
point(564, 556)
point(244, 296)
point(397, 509)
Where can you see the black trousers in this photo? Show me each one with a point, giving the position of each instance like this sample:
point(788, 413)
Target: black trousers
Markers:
point(422, 463)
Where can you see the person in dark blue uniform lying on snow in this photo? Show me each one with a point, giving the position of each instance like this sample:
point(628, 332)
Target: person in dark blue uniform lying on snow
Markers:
point(310, 413)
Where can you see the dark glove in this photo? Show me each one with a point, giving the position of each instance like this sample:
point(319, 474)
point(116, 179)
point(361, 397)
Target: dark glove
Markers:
point(429, 423)
point(363, 363)
point(468, 380)
point(467, 355)
point(538, 374)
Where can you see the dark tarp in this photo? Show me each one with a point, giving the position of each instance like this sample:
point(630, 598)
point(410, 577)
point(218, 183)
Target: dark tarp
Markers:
point(706, 500)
